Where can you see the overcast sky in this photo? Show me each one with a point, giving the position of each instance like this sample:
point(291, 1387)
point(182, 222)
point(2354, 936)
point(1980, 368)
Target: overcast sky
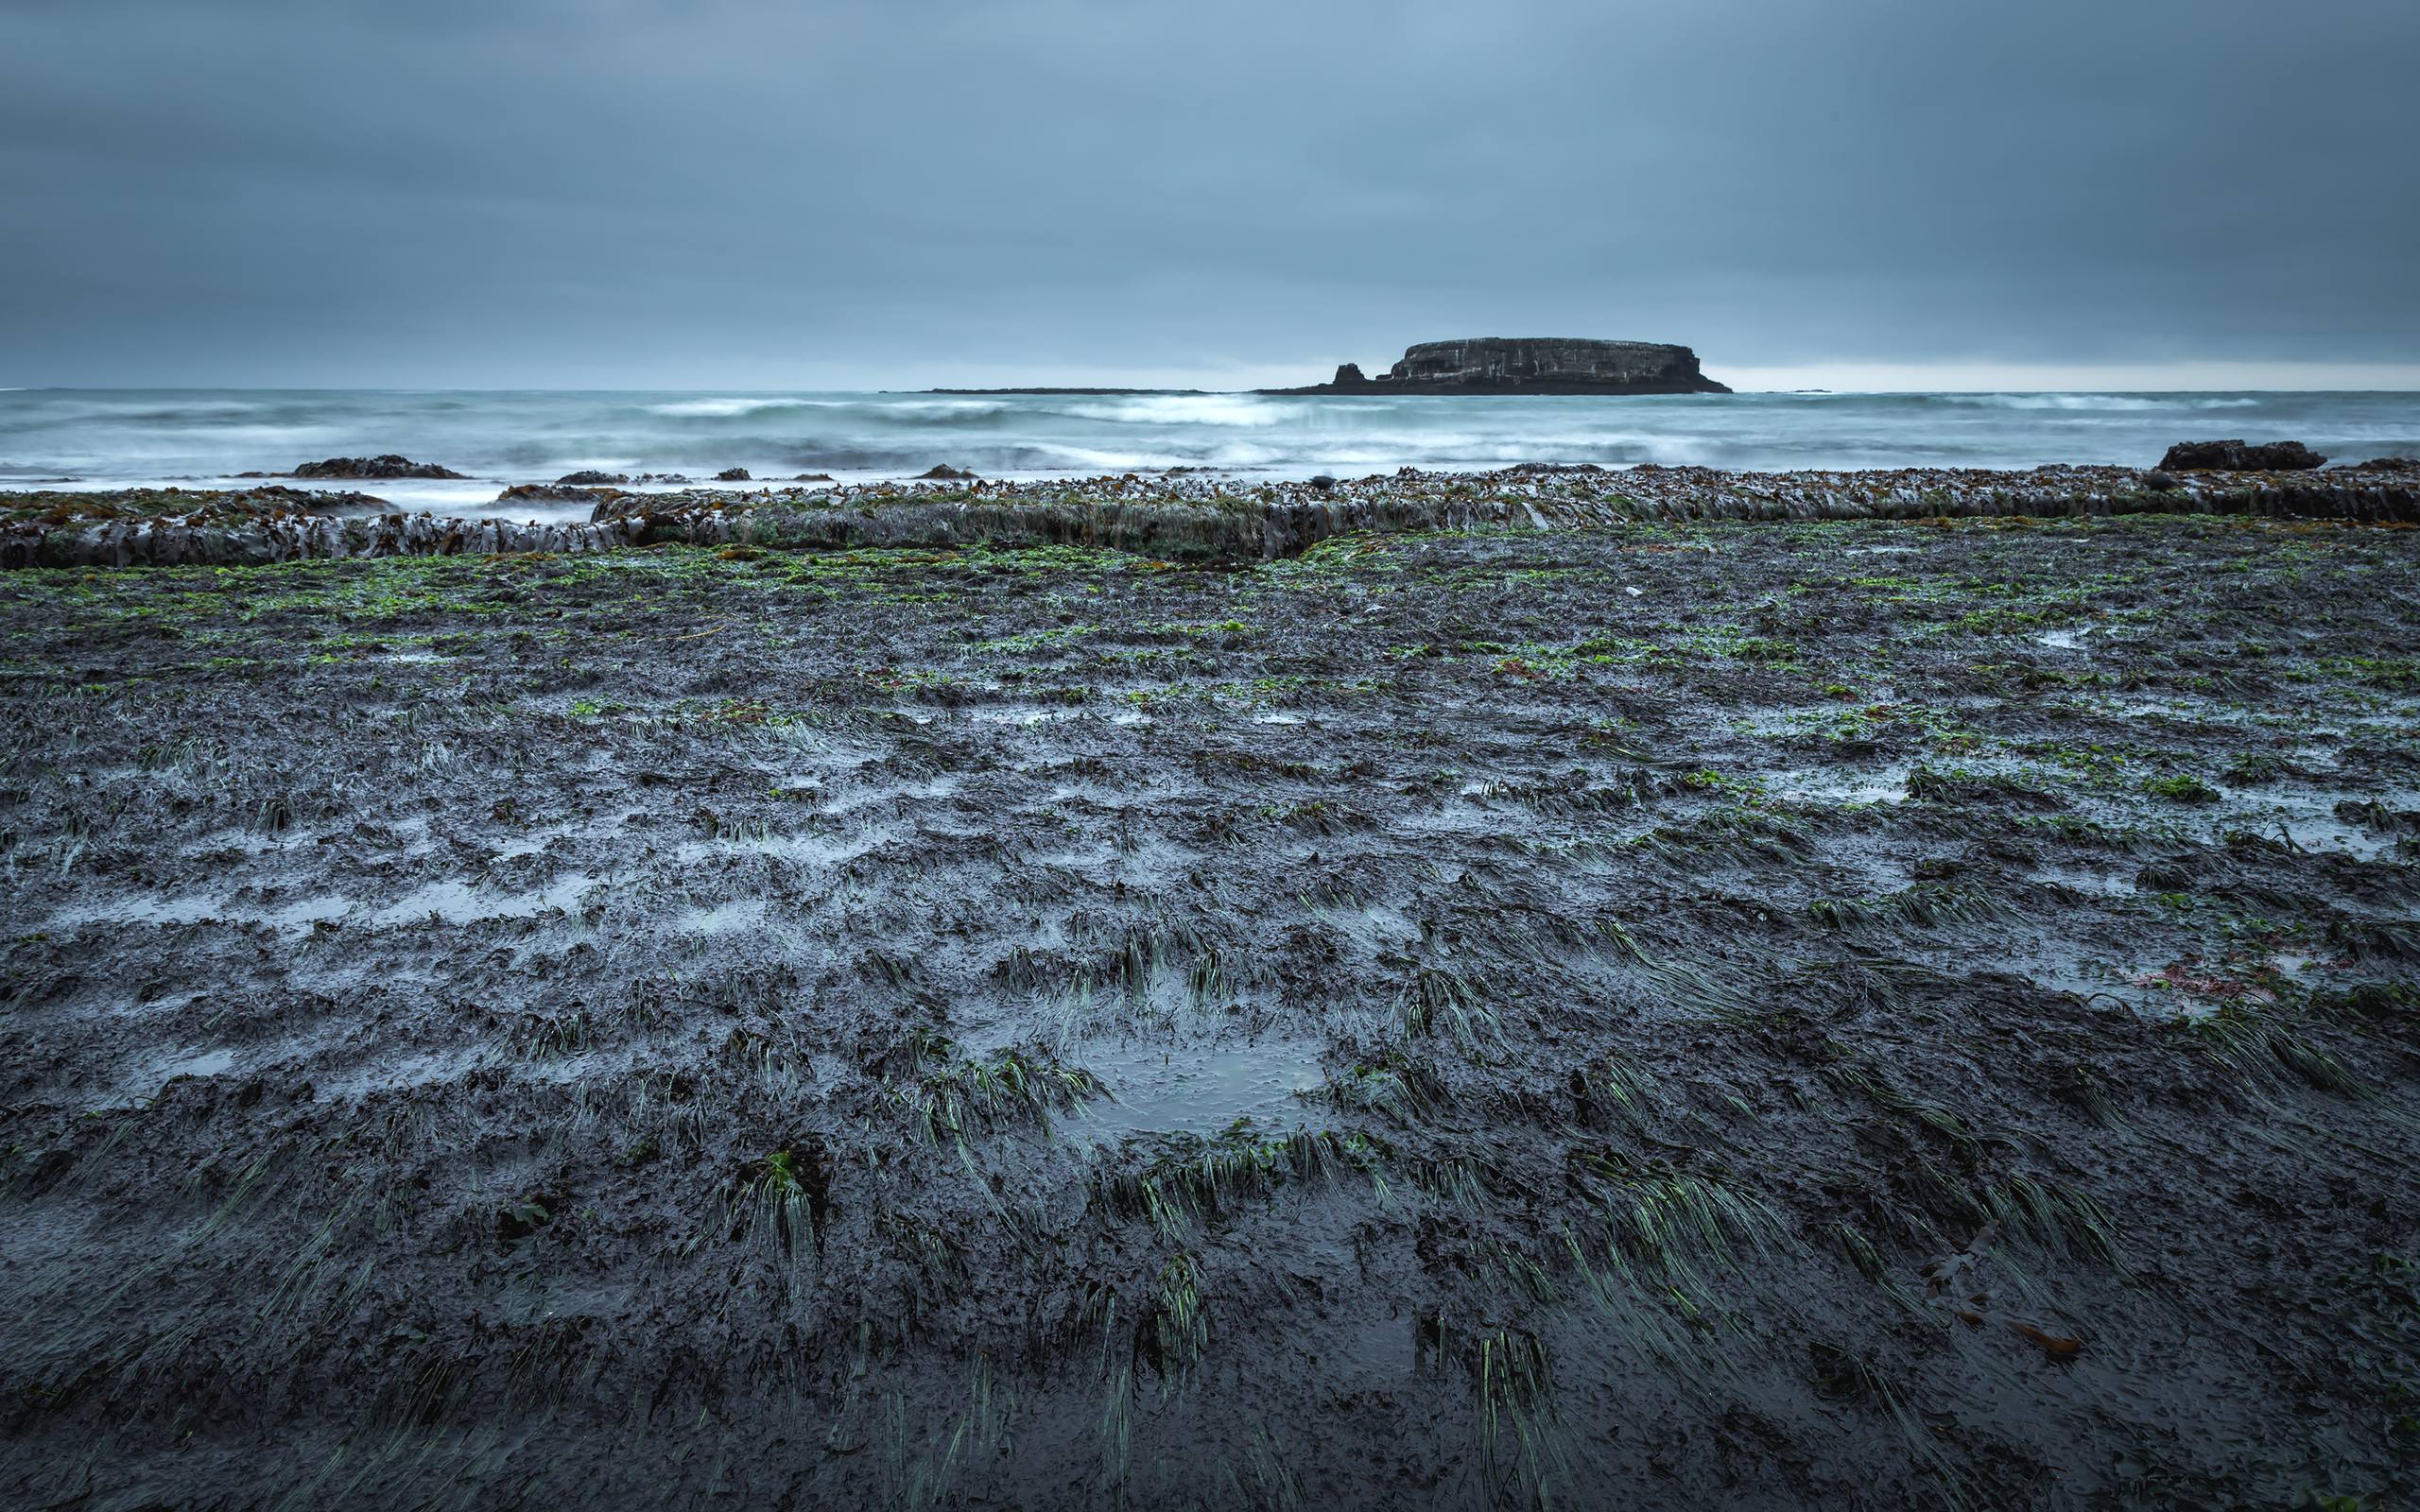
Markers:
point(801, 193)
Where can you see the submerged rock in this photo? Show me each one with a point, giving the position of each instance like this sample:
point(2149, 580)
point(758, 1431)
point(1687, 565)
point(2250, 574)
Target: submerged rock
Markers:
point(2240, 457)
point(388, 466)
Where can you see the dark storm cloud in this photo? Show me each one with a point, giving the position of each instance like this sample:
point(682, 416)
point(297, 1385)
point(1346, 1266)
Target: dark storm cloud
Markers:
point(642, 191)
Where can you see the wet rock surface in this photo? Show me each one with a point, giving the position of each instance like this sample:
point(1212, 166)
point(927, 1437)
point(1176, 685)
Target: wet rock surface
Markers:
point(1182, 514)
point(1783, 1014)
point(30, 517)
point(2240, 457)
point(556, 493)
point(388, 466)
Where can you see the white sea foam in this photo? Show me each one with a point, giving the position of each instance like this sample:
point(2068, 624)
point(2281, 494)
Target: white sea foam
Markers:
point(119, 439)
point(1189, 409)
point(2113, 404)
point(726, 409)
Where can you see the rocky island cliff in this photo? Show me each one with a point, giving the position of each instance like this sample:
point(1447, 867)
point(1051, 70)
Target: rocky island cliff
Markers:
point(1529, 365)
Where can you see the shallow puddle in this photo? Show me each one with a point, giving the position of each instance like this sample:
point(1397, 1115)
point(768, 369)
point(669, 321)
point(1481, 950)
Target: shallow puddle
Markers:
point(725, 918)
point(1195, 1092)
point(1885, 784)
point(462, 902)
point(202, 1063)
point(2310, 822)
point(828, 849)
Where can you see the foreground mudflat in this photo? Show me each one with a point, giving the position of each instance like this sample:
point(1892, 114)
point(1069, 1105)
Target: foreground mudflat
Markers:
point(1771, 1014)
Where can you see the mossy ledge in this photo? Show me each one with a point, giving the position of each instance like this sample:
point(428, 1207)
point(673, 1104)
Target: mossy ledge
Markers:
point(1179, 518)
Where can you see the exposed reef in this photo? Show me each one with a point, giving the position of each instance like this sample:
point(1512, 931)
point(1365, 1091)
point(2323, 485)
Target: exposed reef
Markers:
point(1685, 1015)
point(1190, 517)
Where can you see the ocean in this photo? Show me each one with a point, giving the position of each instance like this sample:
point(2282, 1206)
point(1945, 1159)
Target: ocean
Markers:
point(119, 438)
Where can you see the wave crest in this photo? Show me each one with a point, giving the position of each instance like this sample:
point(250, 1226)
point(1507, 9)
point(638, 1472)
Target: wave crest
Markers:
point(727, 408)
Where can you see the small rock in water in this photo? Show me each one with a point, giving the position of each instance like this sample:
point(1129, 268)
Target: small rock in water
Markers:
point(734, 474)
point(945, 471)
point(589, 478)
point(2240, 457)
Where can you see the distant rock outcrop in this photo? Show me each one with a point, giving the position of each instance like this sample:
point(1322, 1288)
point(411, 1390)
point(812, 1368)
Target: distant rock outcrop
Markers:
point(2240, 457)
point(1530, 365)
point(389, 466)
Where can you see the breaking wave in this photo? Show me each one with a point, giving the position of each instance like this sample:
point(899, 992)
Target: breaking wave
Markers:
point(127, 436)
point(1189, 409)
point(2110, 403)
point(726, 409)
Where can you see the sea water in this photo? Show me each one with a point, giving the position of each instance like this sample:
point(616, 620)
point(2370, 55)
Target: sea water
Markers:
point(119, 438)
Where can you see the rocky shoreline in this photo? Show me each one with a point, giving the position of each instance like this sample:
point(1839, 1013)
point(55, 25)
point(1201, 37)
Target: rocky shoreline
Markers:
point(1180, 516)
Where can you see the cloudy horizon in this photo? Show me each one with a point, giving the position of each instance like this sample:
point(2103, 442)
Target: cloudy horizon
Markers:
point(649, 193)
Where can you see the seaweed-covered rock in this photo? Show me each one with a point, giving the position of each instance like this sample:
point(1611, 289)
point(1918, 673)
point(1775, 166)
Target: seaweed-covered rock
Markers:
point(734, 474)
point(200, 507)
point(388, 466)
point(1190, 517)
point(2240, 457)
point(945, 472)
point(553, 493)
point(591, 478)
